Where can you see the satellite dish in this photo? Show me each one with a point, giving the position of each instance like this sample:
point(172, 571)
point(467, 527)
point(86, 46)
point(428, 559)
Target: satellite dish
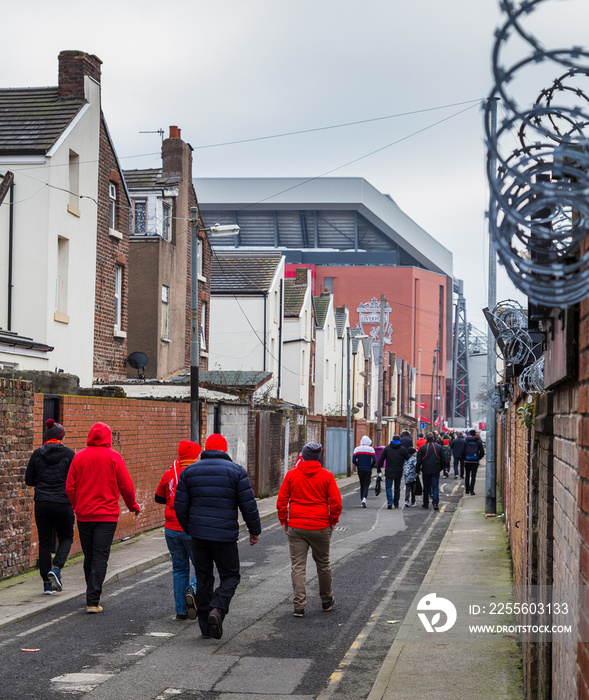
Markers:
point(138, 361)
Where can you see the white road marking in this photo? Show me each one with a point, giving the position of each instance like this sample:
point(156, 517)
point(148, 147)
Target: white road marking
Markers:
point(336, 677)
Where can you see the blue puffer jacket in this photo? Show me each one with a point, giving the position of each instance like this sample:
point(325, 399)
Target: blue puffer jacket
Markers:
point(208, 494)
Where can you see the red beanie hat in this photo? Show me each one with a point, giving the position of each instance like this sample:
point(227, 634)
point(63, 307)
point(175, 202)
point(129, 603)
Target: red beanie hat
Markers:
point(188, 450)
point(216, 442)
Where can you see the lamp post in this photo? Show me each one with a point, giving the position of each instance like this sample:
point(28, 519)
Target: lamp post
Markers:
point(216, 230)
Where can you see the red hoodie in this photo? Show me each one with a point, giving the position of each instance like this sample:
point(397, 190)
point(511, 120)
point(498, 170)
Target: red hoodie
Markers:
point(97, 477)
point(309, 498)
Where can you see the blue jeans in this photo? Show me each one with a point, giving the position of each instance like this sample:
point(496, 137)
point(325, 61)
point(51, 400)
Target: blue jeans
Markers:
point(388, 485)
point(431, 485)
point(180, 546)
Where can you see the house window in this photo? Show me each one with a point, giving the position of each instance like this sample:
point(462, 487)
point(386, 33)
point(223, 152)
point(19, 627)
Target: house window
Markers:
point(203, 326)
point(74, 183)
point(166, 222)
point(165, 312)
point(328, 284)
point(61, 283)
point(199, 259)
point(118, 296)
point(139, 220)
point(112, 206)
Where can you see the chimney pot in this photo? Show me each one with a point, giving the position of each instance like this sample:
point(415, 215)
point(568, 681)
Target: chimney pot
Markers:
point(174, 132)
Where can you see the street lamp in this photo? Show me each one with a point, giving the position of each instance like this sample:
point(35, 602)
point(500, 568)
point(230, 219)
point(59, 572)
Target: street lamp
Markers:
point(350, 410)
point(216, 230)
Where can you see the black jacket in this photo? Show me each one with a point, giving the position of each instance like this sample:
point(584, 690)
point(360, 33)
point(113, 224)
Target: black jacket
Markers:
point(47, 471)
point(208, 494)
point(429, 458)
point(406, 441)
point(395, 455)
point(457, 447)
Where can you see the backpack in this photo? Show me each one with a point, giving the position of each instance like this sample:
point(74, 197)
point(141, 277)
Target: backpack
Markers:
point(471, 453)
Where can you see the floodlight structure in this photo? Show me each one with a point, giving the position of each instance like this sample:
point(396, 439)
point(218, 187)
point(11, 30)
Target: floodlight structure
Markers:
point(461, 388)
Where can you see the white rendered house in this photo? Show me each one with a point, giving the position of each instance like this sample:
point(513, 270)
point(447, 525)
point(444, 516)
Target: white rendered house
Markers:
point(246, 314)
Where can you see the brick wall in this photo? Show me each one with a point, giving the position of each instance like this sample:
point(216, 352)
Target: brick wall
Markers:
point(16, 500)
point(540, 495)
point(583, 497)
point(110, 351)
point(146, 433)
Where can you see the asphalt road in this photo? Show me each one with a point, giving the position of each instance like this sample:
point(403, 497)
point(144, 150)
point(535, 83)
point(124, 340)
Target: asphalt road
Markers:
point(135, 650)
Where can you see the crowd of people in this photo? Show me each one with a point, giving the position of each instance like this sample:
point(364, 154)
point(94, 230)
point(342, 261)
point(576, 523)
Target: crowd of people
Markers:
point(431, 457)
point(202, 492)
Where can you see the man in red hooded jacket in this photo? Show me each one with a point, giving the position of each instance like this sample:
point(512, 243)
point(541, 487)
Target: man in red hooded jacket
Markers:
point(309, 505)
point(97, 477)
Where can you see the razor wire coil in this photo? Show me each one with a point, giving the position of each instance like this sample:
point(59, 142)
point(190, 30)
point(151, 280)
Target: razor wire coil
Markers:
point(539, 209)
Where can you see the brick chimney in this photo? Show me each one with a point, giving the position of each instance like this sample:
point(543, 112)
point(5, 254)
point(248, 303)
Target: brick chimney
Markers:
point(73, 67)
point(176, 155)
point(301, 275)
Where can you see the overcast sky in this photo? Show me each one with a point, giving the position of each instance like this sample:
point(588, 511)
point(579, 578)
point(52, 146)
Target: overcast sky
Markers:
point(225, 70)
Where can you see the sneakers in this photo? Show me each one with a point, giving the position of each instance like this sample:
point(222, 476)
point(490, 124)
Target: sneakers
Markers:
point(363, 503)
point(47, 588)
point(328, 606)
point(299, 612)
point(190, 603)
point(91, 609)
point(54, 577)
point(181, 616)
point(456, 476)
point(390, 506)
point(216, 624)
point(413, 505)
point(407, 504)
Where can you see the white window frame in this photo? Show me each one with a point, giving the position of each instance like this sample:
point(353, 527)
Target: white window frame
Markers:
point(167, 222)
point(112, 206)
point(118, 297)
point(165, 313)
point(203, 326)
point(143, 202)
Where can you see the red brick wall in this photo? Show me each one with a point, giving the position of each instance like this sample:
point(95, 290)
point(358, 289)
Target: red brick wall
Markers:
point(109, 351)
point(146, 433)
point(583, 497)
point(16, 499)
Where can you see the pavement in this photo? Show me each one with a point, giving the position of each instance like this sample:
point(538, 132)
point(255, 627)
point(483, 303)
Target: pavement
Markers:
point(472, 556)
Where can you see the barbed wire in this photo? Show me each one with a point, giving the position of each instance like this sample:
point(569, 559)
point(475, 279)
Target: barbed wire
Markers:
point(531, 380)
point(539, 208)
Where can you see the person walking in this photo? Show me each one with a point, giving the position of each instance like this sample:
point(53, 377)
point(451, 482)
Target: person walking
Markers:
point(97, 478)
point(179, 543)
point(406, 439)
point(47, 471)
point(473, 453)
point(410, 476)
point(457, 447)
point(430, 462)
point(393, 457)
point(364, 461)
point(420, 441)
point(309, 504)
point(208, 496)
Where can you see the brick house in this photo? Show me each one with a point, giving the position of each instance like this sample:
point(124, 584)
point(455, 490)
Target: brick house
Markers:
point(62, 229)
point(163, 205)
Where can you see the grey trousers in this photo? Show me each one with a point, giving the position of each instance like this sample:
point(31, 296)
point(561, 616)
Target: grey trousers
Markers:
point(299, 542)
